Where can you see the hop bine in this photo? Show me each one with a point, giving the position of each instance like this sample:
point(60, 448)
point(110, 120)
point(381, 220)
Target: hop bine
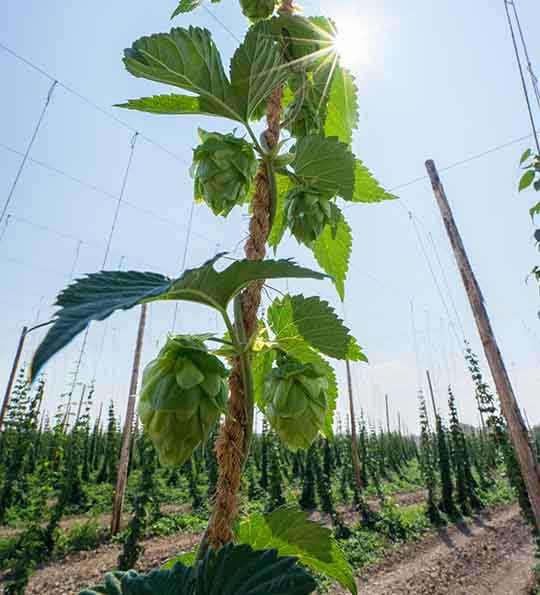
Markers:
point(224, 167)
point(295, 402)
point(183, 392)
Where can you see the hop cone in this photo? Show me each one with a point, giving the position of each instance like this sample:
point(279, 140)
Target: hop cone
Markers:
point(308, 211)
point(295, 402)
point(183, 392)
point(224, 167)
point(256, 10)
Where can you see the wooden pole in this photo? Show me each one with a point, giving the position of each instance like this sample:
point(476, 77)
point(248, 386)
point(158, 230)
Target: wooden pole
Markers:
point(387, 414)
point(354, 438)
point(435, 412)
point(13, 373)
point(509, 406)
point(126, 434)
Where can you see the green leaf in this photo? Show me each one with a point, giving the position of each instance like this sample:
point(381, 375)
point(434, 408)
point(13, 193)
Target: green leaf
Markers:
point(232, 570)
point(534, 210)
point(317, 323)
point(525, 156)
point(167, 104)
point(327, 164)
point(342, 109)
point(332, 250)
point(216, 289)
point(187, 558)
point(284, 184)
point(186, 6)
point(312, 357)
point(291, 533)
point(526, 179)
point(261, 364)
point(189, 59)
point(366, 187)
point(95, 297)
point(257, 68)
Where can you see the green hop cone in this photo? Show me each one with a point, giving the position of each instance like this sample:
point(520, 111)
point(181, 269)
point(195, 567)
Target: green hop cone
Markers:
point(308, 211)
point(183, 392)
point(224, 167)
point(255, 10)
point(295, 402)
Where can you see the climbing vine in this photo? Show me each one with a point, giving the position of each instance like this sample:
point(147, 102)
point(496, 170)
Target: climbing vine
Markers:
point(295, 177)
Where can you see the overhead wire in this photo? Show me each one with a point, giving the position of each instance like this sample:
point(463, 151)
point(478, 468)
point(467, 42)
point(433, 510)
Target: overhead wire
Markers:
point(20, 170)
point(532, 120)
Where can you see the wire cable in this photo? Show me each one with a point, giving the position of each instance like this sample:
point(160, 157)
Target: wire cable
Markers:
point(522, 76)
point(27, 152)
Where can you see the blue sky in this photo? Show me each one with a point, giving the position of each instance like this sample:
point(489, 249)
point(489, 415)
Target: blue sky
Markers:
point(436, 80)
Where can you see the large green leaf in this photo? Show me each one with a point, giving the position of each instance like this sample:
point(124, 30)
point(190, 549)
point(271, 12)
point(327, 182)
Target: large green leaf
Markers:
point(189, 59)
point(332, 250)
point(326, 163)
point(167, 104)
point(317, 323)
point(188, 6)
point(216, 289)
point(97, 296)
point(232, 570)
point(284, 184)
point(366, 187)
point(257, 68)
point(261, 364)
point(342, 107)
point(291, 533)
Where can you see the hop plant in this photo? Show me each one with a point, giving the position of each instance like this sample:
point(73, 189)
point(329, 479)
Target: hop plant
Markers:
point(224, 167)
point(256, 10)
point(295, 402)
point(308, 211)
point(183, 392)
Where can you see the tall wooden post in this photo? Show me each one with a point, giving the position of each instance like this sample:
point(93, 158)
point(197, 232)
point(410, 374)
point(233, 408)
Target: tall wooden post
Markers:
point(387, 414)
point(11, 379)
point(128, 425)
point(435, 412)
point(354, 437)
point(509, 406)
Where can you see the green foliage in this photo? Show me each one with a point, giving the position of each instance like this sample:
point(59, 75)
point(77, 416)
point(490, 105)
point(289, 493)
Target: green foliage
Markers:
point(183, 392)
point(233, 570)
point(366, 187)
point(188, 6)
point(224, 167)
point(342, 117)
point(290, 532)
point(296, 320)
point(332, 251)
point(97, 296)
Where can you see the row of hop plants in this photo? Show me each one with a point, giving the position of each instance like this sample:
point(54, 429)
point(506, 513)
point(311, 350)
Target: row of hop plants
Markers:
point(458, 466)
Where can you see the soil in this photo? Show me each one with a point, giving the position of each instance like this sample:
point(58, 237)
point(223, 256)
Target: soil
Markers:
point(490, 554)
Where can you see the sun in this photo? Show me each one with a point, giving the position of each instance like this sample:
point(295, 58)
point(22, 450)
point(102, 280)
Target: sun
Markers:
point(349, 42)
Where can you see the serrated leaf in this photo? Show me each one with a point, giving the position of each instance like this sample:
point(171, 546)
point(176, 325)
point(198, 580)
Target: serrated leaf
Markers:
point(525, 156)
point(257, 68)
point(332, 250)
point(186, 6)
point(526, 180)
point(342, 107)
point(366, 187)
point(232, 570)
point(291, 533)
point(317, 323)
point(284, 184)
point(325, 163)
point(97, 296)
point(189, 59)
point(261, 364)
point(167, 104)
